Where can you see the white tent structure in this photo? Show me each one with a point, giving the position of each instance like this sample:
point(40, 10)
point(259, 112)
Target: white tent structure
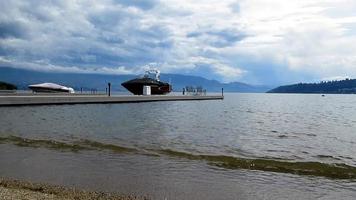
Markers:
point(50, 87)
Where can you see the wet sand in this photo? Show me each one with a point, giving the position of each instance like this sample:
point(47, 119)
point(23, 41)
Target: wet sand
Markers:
point(15, 189)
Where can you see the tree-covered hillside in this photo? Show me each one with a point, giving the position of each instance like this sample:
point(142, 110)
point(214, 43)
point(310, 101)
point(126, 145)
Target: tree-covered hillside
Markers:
point(347, 86)
point(7, 86)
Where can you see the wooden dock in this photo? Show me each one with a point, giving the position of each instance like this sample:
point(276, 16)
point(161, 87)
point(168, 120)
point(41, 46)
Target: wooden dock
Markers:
point(31, 100)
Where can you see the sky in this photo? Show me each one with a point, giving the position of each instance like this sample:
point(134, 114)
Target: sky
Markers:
point(266, 42)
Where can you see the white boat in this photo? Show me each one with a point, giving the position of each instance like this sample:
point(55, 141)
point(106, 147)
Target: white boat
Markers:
point(50, 88)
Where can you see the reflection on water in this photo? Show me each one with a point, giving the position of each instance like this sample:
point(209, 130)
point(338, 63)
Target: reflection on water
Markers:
point(183, 147)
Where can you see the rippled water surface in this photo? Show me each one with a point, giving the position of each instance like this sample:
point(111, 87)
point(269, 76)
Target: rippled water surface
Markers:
point(248, 146)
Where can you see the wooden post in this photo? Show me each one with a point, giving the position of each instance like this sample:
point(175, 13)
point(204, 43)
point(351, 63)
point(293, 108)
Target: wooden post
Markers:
point(109, 86)
point(222, 91)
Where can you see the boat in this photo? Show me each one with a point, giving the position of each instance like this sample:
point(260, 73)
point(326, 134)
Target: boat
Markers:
point(136, 86)
point(50, 88)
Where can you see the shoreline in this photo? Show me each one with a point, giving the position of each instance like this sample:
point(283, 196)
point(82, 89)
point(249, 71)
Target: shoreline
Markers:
point(19, 189)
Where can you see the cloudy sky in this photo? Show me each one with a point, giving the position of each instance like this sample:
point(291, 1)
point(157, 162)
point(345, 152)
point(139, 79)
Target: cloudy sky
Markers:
point(255, 41)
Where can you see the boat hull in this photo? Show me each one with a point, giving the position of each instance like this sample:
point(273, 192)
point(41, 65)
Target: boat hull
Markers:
point(48, 90)
point(135, 86)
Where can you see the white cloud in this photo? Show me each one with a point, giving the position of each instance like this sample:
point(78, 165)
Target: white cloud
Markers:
point(335, 78)
point(228, 73)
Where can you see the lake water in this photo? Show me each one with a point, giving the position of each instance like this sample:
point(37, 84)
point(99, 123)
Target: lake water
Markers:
point(247, 146)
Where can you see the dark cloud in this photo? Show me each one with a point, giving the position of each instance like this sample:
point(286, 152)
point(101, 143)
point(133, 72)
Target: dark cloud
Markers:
point(159, 44)
point(142, 4)
point(194, 34)
point(4, 51)
point(12, 29)
point(111, 38)
point(226, 38)
point(235, 7)
point(228, 35)
point(153, 32)
point(111, 18)
point(219, 38)
point(37, 11)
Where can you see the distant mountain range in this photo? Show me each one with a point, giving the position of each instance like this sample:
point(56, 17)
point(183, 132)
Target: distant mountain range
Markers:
point(22, 78)
point(347, 86)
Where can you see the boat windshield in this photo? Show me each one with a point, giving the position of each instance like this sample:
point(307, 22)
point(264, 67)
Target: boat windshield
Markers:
point(154, 74)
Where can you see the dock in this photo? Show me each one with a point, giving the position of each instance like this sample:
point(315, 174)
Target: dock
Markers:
point(32, 100)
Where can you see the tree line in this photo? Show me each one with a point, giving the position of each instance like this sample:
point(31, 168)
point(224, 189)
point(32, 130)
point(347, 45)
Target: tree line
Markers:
point(347, 86)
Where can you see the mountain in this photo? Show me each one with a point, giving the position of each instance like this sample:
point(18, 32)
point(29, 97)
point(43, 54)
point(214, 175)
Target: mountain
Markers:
point(347, 86)
point(22, 78)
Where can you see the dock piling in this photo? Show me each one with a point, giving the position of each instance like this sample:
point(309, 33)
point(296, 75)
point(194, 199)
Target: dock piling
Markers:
point(109, 86)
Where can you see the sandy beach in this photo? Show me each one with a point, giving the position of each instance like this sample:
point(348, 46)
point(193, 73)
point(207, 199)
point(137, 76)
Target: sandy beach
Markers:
point(16, 189)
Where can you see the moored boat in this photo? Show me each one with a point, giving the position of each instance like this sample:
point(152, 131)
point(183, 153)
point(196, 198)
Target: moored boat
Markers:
point(158, 87)
point(50, 88)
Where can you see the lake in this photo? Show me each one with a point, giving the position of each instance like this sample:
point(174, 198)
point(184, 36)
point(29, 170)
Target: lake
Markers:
point(247, 146)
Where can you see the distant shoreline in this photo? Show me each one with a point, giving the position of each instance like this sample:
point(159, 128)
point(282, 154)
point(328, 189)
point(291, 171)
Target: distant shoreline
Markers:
point(17, 189)
point(347, 86)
